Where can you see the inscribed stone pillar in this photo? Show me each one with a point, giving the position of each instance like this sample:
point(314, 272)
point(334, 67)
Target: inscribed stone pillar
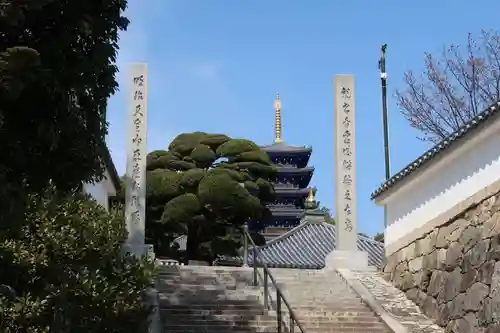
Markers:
point(135, 197)
point(346, 254)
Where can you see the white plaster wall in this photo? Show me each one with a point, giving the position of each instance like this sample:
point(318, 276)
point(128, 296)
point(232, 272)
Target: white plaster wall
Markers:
point(459, 174)
point(101, 191)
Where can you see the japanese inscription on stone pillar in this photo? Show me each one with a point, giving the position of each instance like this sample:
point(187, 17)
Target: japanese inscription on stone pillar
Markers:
point(135, 199)
point(345, 163)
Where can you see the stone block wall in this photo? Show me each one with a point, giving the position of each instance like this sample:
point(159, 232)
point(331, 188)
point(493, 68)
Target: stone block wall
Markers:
point(453, 272)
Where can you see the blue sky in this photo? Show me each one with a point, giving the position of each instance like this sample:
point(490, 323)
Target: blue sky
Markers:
point(216, 66)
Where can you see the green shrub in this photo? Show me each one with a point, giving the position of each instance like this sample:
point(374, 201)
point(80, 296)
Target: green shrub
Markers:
point(210, 185)
point(68, 271)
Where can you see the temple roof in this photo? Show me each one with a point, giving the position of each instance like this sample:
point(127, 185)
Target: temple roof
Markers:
point(287, 191)
point(307, 246)
point(181, 241)
point(301, 177)
point(292, 170)
point(280, 212)
point(282, 147)
point(457, 136)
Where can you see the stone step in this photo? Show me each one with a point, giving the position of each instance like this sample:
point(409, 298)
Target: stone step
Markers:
point(229, 328)
point(285, 330)
point(230, 294)
point(206, 274)
point(200, 315)
point(164, 301)
point(250, 301)
point(209, 321)
point(300, 295)
point(209, 292)
point(205, 293)
point(177, 316)
point(221, 327)
point(248, 277)
point(256, 309)
point(185, 269)
point(272, 327)
point(234, 310)
point(197, 300)
point(324, 285)
point(304, 289)
point(325, 302)
point(249, 274)
point(196, 267)
point(322, 300)
point(257, 294)
point(197, 311)
point(314, 277)
point(322, 321)
point(314, 286)
point(269, 322)
point(340, 311)
point(193, 284)
point(208, 287)
point(222, 299)
point(192, 276)
point(221, 305)
point(186, 272)
point(311, 283)
point(346, 313)
point(346, 329)
point(196, 287)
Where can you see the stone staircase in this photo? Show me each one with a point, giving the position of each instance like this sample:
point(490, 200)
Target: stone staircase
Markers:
point(222, 299)
point(211, 299)
point(323, 302)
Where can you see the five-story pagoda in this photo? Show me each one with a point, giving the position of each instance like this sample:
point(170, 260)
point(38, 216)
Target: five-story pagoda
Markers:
point(291, 181)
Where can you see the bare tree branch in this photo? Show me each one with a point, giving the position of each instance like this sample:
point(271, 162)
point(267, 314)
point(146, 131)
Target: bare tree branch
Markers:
point(454, 88)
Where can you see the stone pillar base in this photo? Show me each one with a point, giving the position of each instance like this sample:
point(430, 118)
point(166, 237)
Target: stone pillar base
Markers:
point(154, 317)
point(198, 263)
point(139, 250)
point(352, 260)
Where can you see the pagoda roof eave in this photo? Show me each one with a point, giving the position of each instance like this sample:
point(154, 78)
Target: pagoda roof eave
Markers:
point(291, 191)
point(287, 213)
point(282, 147)
point(292, 170)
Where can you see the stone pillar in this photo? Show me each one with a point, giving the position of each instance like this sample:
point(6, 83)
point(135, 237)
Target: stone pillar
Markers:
point(135, 196)
point(346, 254)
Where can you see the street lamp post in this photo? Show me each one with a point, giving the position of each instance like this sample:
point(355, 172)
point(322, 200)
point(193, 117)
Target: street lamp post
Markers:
point(383, 80)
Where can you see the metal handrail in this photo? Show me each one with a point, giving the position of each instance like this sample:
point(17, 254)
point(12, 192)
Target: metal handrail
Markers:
point(280, 297)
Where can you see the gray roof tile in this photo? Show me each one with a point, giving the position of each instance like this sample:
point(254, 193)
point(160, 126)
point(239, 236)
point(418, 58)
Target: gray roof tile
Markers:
point(304, 247)
point(438, 149)
point(283, 147)
point(307, 246)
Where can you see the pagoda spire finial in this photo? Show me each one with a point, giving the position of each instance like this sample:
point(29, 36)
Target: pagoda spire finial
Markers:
point(310, 197)
point(277, 119)
point(311, 200)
